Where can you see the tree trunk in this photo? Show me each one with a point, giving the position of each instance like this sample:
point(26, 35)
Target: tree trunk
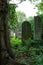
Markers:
point(6, 53)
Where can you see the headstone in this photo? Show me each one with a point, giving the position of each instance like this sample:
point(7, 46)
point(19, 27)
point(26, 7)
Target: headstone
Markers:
point(26, 30)
point(37, 28)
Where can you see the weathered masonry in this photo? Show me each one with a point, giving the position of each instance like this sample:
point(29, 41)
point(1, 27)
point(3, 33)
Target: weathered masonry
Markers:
point(37, 28)
point(26, 30)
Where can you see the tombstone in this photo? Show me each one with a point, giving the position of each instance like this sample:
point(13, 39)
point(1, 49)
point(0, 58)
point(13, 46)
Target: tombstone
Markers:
point(37, 28)
point(26, 30)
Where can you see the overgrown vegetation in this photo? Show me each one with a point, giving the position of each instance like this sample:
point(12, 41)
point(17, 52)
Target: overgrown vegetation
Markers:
point(31, 50)
point(17, 44)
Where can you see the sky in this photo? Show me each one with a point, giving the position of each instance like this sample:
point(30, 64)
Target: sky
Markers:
point(26, 7)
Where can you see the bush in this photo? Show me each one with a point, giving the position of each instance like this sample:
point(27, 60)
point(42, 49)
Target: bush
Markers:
point(35, 48)
point(37, 43)
point(27, 42)
point(22, 48)
point(15, 42)
point(33, 43)
point(36, 59)
point(26, 45)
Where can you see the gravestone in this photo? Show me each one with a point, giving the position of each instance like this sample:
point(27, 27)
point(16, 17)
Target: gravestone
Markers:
point(37, 28)
point(26, 30)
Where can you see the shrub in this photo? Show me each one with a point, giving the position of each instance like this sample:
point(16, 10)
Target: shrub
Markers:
point(36, 59)
point(33, 43)
point(22, 48)
point(37, 43)
point(15, 42)
point(26, 45)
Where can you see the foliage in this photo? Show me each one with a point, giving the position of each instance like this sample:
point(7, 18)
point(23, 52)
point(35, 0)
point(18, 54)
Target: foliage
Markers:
point(35, 48)
point(40, 7)
point(36, 59)
point(33, 43)
point(37, 43)
point(31, 21)
point(38, 4)
point(41, 15)
point(18, 44)
point(15, 42)
point(21, 16)
point(12, 18)
point(22, 48)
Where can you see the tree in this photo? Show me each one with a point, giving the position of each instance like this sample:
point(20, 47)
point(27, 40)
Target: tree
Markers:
point(31, 20)
point(20, 17)
point(39, 5)
point(12, 18)
point(13, 15)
